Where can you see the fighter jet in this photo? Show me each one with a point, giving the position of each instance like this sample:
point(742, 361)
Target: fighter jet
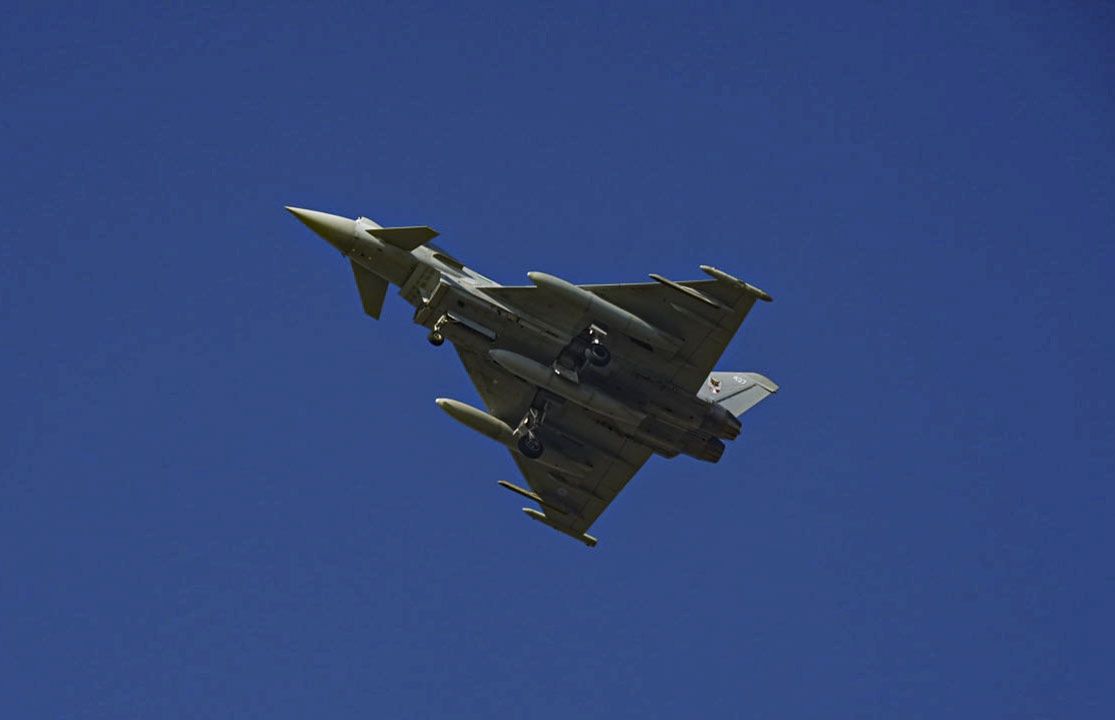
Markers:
point(582, 383)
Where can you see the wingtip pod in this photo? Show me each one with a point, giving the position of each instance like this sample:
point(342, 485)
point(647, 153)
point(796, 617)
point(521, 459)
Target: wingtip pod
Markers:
point(736, 282)
point(533, 514)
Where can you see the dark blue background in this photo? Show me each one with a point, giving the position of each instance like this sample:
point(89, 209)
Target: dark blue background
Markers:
point(227, 493)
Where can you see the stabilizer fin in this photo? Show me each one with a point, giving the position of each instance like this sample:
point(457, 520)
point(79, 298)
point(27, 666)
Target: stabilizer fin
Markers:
point(737, 392)
point(404, 238)
point(373, 289)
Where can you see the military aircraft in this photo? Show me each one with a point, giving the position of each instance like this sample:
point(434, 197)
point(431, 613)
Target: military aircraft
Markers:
point(582, 383)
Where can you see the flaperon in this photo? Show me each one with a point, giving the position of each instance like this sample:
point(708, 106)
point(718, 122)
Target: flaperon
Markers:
point(581, 382)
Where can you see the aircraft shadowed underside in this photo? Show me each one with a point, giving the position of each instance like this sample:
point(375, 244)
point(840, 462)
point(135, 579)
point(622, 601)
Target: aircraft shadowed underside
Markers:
point(582, 383)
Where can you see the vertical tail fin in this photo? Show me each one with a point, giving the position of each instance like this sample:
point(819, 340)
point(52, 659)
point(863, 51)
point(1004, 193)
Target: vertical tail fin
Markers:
point(737, 392)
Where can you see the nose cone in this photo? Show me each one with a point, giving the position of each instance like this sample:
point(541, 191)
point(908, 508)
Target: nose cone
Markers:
point(337, 230)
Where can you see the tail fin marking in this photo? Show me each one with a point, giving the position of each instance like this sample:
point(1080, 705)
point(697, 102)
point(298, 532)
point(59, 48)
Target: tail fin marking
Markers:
point(737, 392)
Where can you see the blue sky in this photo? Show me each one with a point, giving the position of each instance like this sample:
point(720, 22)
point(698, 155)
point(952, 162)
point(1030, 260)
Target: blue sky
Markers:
point(227, 493)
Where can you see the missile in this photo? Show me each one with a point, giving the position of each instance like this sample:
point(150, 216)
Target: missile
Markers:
point(686, 290)
point(735, 282)
point(613, 316)
point(586, 396)
point(532, 496)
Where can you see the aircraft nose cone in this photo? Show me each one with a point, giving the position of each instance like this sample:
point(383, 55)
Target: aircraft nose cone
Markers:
point(335, 229)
